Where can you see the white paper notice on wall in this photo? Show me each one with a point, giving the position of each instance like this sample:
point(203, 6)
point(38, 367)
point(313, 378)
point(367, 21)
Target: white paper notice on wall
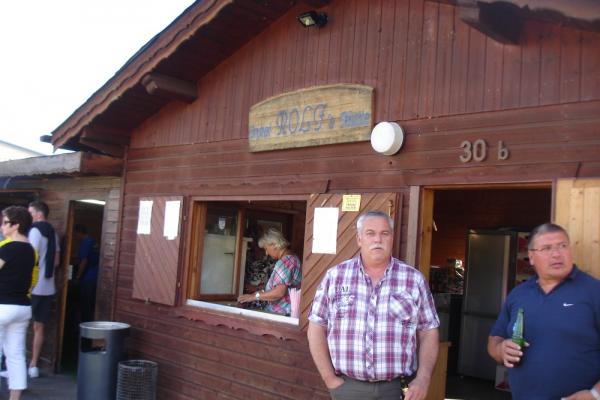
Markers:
point(325, 225)
point(171, 227)
point(144, 217)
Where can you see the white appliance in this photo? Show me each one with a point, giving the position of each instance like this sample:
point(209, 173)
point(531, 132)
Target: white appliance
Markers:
point(491, 270)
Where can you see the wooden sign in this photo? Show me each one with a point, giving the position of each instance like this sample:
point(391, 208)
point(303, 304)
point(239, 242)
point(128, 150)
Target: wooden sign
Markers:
point(312, 117)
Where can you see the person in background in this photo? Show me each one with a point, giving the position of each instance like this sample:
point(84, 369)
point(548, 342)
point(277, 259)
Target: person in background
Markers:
point(561, 304)
point(34, 279)
point(286, 274)
point(87, 272)
point(373, 327)
point(17, 259)
point(44, 240)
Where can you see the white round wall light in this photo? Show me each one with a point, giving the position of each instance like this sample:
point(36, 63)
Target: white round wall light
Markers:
point(387, 138)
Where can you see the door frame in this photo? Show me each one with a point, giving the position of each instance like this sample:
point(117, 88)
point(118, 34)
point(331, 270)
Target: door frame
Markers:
point(64, 286)
point(420, 224)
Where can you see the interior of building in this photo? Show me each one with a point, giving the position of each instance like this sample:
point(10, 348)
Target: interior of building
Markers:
point(479, 253)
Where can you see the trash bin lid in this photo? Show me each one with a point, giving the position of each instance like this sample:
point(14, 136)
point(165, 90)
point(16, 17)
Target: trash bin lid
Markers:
point(104, 325)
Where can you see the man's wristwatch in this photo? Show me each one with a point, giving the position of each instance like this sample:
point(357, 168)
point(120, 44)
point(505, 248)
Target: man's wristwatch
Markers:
point(595, 393)
point(257, 295)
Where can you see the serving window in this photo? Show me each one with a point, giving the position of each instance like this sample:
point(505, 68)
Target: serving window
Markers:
point(225, 258)
point(222, 257)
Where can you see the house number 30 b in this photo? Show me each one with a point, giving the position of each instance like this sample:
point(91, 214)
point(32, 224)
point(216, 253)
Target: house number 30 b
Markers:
point(477, 151)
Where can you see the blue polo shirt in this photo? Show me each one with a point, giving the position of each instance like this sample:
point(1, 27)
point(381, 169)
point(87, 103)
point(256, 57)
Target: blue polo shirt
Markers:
point(88, 249)
point(563, 332)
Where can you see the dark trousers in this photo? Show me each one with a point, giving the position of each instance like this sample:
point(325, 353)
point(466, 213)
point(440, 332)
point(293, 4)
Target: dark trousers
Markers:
point(87, 299)
point(353, 389)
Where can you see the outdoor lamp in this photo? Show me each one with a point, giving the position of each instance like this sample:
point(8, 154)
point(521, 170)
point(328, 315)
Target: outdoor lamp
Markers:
point(311, 18)
point(387, 138)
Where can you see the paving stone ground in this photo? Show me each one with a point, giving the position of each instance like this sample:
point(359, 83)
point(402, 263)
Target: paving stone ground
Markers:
point(46, 387)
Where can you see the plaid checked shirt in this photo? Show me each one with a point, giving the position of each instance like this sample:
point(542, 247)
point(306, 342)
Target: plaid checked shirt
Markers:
point(372, 331)
point(286, 272)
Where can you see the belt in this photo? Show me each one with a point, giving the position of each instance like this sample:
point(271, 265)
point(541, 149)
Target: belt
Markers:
point(402, 378)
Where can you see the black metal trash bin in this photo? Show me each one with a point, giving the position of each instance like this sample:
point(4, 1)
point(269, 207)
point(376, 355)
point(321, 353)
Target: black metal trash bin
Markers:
point(100, 350)
point(137, 380)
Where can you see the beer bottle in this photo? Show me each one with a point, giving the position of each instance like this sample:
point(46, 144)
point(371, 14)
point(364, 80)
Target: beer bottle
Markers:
point(517, 333)
point(404, 391)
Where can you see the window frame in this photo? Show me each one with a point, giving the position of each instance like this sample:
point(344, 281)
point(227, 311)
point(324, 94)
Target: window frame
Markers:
point(198, 231)
point(197, 209)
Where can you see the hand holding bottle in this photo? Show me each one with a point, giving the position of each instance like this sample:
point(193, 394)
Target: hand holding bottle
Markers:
point(517, 336)
point(511, 352)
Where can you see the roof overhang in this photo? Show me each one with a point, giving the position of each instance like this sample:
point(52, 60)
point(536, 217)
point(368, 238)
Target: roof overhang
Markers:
point(71, 164)
point(167, 69)
point(502, 20)
point(170, 65)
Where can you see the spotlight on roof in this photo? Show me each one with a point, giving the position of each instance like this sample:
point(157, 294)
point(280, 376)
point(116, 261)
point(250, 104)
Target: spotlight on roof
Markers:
point(311, 18)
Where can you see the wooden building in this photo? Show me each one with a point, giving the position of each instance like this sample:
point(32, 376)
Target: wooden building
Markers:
point(236, 118)
point(67, 182)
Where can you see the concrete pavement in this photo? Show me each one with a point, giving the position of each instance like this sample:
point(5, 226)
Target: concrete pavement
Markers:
point(46, 387)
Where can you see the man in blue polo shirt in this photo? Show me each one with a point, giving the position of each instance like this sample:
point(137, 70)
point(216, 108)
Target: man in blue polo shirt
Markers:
point(561, 359)
point(87, 272)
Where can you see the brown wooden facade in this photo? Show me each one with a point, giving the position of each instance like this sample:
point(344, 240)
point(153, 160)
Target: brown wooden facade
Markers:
point(536, 101)
point(61, 181)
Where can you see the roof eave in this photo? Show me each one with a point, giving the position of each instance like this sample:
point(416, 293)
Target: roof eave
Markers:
point(142, 63)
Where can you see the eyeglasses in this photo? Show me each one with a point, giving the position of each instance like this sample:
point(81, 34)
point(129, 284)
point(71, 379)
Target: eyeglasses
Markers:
point(548, 249)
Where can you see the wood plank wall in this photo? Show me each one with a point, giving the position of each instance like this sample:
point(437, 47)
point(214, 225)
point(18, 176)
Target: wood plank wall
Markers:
point(545, 143)
point(456, 211)
point(444, 81)
point(578, 211)
point(202, 361)
point(422, 60)
point(58, 193)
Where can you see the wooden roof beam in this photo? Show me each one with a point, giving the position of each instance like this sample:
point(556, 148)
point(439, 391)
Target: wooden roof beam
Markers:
point(66, 146)
point(113, 150)
point(105, 134)
point(501, 21)
point(105, 139)
point(316, 3)
point(581, 14)
point(169, 87)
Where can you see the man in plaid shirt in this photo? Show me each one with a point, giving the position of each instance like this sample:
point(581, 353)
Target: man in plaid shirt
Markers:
point(373, 324)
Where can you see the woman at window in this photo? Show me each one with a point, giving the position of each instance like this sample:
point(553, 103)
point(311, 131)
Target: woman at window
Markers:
point(286, 274)
point(17, 259)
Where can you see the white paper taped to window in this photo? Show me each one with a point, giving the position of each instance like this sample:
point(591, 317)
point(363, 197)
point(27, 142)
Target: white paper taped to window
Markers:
point(325, 226)
point(144, 217)
point(171, 227)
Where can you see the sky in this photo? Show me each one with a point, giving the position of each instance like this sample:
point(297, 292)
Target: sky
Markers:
point(56, 53)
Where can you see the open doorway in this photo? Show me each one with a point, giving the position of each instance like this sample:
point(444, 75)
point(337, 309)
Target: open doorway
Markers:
point(484, 229)
point(84, 233)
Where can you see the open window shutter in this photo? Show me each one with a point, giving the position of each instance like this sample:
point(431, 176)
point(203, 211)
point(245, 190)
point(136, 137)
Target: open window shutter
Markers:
point(577, 209)
point(157, 257)
point(315, 265)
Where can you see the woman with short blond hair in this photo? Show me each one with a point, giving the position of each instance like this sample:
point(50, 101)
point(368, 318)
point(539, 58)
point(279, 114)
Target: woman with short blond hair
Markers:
point(286, 274)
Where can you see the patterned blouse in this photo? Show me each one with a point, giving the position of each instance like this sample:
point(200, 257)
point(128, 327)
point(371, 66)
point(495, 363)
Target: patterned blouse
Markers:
point(286, 272)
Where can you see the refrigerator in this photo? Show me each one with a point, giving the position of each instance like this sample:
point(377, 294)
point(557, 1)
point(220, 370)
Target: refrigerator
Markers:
point(496, 260)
